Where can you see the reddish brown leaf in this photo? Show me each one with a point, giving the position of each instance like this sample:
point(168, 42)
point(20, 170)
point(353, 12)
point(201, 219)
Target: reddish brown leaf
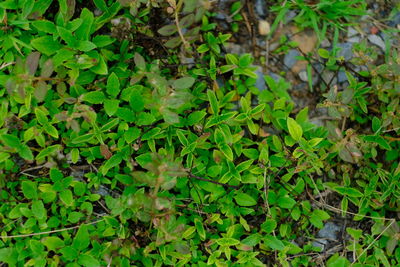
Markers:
point(105, 152)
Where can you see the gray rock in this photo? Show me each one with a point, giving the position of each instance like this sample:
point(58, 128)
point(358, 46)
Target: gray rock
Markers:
point(342, 77)
point(320, 244)
point(351, 32)
point(377, 40)
point(328, 77)
point(290, 16)
point(345, 50)
point(325, 43)
point(317, 122)
point(260, 7)
point(260, 82)
point(77, 174)
point(102, 191)
point(290, 58)
point(329, 231)
point(234, 48)
point(220, 16)
point(395, 20)
point(353, 36)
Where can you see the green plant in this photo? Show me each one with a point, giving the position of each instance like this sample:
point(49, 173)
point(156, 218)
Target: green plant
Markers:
point(114, 153)
point(321, 15)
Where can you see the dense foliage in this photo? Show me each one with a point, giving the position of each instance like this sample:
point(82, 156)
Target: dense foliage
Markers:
point(129, 137)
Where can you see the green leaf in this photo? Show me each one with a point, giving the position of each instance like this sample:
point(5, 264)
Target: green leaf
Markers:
point(227, 151)
point(200, 229)
point(10, 141)
point(376, 124)
point(286, 202)
point(348, 191)
point(67, 197)
point(132, 134)
point(295, 130)
point(195, 117)
point(25, 152)
point(227, 241)
point(48, 151)
point(82, 238)
point(111, 106)
point(245, 60)
point(95, 97)
point(102, 40)
point(38, 209)
point(145, 118)
point(69, 253)
point(85, 46)
point(83, 32)
point(83, 138)
point(75, 216)
point(213, 102)
point(29, 189)
point(183, 83)
point(67, 36)
point(74, 155)
point(182, 138)
point(136, 101)
point(269, 225)
point(50, 129)
point(52, 243)
point(245, 200)
point(36, 247)
point(113, 85)
point(274, 243)
point(88, 260)
point(44, 26)
point(46, 45)
point(111, 162)
point(323, 53)
point(101, 4)
point(9, 255)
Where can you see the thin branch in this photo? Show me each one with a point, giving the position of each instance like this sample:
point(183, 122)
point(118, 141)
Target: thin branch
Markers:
point(373, 242)
point(51, 232)
point(211, 181)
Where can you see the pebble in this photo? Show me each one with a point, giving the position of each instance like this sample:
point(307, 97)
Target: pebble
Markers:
point(233, 48)
point(328, 77)
point(290, 58)
point(290, 16)
point(263, 27)
point(377, 40)
point(329, 231)
point(325, 43)
point(395, 20)
point(353, 35)
point(260, 82)
point(326, 234)
point(345, 50)
point(320, 244)
point(342, 77)
point(303, 76)
point(261, 8)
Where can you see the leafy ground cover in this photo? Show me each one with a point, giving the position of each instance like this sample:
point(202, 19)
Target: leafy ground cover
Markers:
point(132, 135)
